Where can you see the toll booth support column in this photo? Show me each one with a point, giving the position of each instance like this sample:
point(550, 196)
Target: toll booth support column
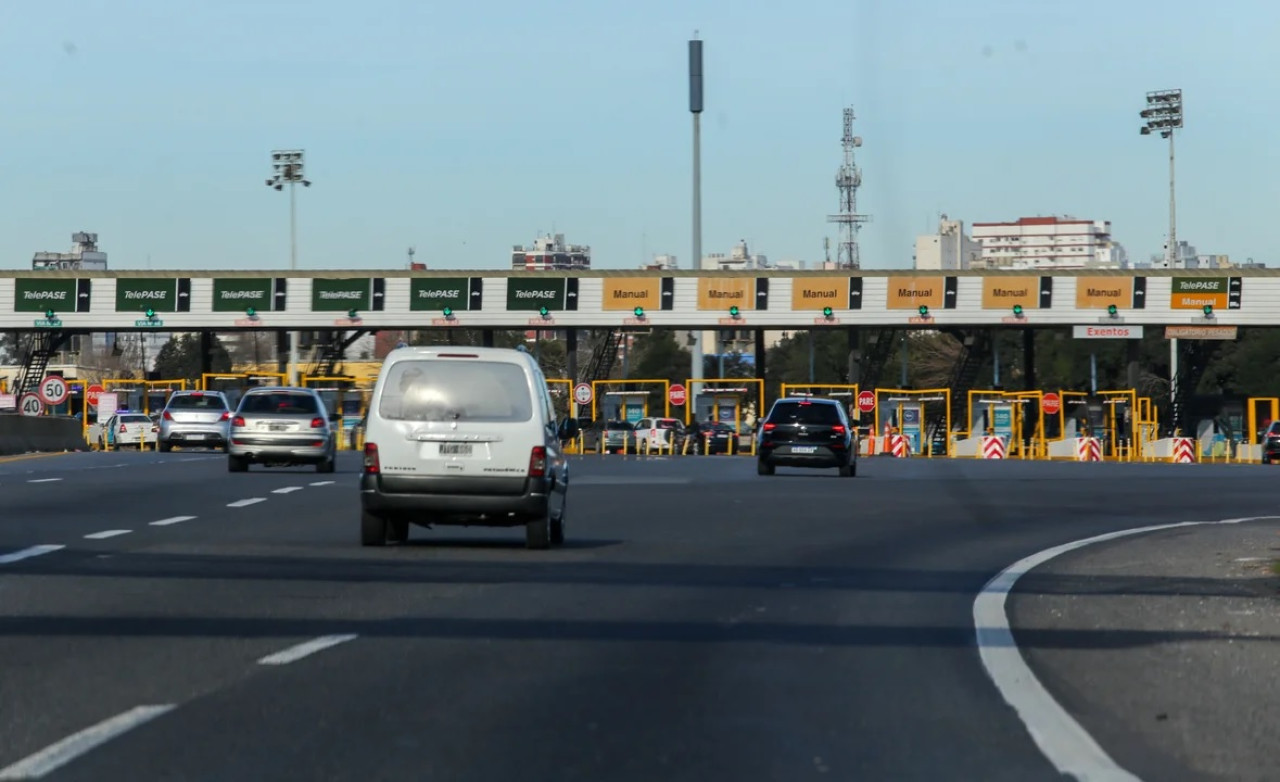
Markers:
point(1133, 363)
point(761, 352)
point(571, 354)
point(206, 352)
point(282, 352)
point(1029, 359)
point(486, 338)
point(855, 356)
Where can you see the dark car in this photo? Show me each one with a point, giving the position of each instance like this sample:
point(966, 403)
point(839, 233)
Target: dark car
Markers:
point(1271, 443)
point(710, 438)
point(807, 433)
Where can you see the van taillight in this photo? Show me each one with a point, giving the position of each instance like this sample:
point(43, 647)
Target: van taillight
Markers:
point(538, 462)
point(372, 466)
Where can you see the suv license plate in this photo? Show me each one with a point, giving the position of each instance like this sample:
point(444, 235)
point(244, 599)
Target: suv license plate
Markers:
point(455, 449)
point(804, 448)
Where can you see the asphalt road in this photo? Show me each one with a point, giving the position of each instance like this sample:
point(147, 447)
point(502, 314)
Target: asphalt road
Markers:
point(701, 623)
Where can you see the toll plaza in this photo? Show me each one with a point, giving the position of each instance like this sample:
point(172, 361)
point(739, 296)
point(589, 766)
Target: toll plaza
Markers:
point(234, 384)
point(914, 422)
point(629, 403)
point(735, 401)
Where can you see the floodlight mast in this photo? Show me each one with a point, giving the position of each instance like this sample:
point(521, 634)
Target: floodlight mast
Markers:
point(288, 168)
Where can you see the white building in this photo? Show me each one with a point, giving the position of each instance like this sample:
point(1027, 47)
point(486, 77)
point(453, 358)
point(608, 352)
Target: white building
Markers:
point(84, 255)
point(738, 259)
point(950, 249)
point(550, 253)
point(1047, 243)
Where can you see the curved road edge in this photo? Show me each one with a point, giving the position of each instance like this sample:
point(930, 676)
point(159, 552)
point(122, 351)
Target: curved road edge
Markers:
point(1062, 740)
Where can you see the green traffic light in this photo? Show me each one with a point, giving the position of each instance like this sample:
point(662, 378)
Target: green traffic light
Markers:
point(1017, 310)
point(352, 313)
point(150, 313)
point(639, 312)
point(733, 311)
point(448, 312)
point(251, 312)
point(1112, 309)
point(827, 312)
point(1208, 310)
point(924, 310)
point(543, 311)
point(49, 314)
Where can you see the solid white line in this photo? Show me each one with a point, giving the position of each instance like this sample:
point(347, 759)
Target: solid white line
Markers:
point(63, 752)
point(246, 503)
point(110, 533)
point(1060, 738)
point(323, 483)
point(27, 553)
point(287, 490)
point(43, 480)
point(171, 520)
point(295, 653)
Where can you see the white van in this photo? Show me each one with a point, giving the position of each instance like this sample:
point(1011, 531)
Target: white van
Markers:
point(463, 436)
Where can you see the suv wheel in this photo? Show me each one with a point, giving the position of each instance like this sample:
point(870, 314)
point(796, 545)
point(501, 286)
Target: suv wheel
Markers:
point(849, 470)
point(763, 467)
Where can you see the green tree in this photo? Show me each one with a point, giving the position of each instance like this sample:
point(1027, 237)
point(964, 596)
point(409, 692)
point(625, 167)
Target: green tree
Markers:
point(179, 358)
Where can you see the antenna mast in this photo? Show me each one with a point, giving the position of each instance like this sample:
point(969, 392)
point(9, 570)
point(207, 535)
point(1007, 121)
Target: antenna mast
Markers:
point(848, 180)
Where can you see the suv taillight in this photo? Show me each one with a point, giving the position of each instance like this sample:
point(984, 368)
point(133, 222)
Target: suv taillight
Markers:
point(837, 429)
point(238, 421)
point(317, 423)
point(538, 462)
point(166, 416)
point(770, 427)
point(372, 466)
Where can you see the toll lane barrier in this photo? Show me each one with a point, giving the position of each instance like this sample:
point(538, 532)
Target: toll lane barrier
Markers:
point(899, 446)
point(1184, 450)
point(1088, 449)
point(993, 447)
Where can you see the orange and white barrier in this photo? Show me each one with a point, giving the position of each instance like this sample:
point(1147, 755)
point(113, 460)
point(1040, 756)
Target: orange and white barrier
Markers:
point(1088, 449)
point(900, 445)
point(993, 447)
point(1184, 450)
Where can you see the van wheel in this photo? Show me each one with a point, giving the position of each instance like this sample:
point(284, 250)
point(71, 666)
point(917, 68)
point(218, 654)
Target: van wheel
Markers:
point(237, 464)
point(373, 530)
point(398, 530)
point(537, 533)
point(557, 524)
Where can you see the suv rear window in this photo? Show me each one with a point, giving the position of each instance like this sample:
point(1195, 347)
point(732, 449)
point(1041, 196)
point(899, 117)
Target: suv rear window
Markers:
point(800, 413)
point(280, 403)
point(195, 402)
point(447, 390)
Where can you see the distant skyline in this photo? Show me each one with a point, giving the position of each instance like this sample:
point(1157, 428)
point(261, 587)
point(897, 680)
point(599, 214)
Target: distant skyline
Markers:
point(465, 129)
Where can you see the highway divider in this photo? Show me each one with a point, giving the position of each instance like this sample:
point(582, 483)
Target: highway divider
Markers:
point(40, 434)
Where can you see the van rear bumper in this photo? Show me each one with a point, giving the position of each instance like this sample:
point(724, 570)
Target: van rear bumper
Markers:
point(444, 496)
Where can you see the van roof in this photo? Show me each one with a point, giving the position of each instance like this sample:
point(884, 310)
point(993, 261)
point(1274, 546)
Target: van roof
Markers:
point(511, 355)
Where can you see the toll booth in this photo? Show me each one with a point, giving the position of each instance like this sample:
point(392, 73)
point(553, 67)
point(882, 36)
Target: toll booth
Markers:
point(629, 403)
point(625, 405)
point(912, 414)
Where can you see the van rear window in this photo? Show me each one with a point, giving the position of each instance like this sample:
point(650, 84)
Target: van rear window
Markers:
point(480, 391)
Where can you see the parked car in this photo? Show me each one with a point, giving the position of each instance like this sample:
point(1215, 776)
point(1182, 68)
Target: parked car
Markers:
point(619, 436)
point(807, 432)
point(279, 426)
point(659, 434)
point(463, 436)
point(127, 428)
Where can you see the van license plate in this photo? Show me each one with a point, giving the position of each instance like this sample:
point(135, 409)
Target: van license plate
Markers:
point(455, 449)
point(804, 448)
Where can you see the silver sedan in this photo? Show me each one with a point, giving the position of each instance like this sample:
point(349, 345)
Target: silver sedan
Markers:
point(279, 427)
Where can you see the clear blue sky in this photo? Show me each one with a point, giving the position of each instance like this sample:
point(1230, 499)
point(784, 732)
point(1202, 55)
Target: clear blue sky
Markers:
point(465, 128)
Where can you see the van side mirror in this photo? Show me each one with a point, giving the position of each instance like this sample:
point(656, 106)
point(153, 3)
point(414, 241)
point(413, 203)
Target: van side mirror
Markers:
point(569, 428)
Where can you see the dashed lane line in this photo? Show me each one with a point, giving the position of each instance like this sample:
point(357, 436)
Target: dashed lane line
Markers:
point(322, 483)
point(246, 503)
point(286, 490)
point(108, 533)
point(172, 520)
point(306, 649)
point(28, 553)
point(43, 480)
point(63, 752)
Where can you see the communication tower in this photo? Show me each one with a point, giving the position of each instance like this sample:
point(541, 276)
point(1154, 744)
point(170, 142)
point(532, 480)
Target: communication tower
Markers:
point(848, 180)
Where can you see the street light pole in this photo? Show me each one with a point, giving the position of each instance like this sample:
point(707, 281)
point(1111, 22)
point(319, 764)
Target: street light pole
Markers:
point(695, 108)
point(1163, 115)
point(288, 168)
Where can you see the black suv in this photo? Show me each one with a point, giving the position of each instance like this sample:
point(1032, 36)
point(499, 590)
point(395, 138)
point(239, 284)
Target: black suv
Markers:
point(807, 433)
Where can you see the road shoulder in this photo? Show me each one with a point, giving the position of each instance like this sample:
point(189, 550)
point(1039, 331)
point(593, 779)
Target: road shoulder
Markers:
point(1164, 645)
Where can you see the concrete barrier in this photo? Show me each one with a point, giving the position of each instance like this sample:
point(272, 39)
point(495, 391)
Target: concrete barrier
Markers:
point(29, 434)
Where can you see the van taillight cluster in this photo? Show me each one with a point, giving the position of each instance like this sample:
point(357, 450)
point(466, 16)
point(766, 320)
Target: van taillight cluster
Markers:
point(538, 462)
point(372, 466)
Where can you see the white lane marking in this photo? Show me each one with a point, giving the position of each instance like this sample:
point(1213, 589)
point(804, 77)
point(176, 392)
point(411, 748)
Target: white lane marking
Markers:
point(63, 752)
point(287, 490)
point(322, 483)
point(27, 553)
point(623, 480)
point(246, 503)
point(109, 533)
point(1060, 738)
point(171, 520)
point(295, 653)
point(43, 480)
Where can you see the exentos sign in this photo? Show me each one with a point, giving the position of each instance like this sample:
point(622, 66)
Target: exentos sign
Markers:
point(1106, 332)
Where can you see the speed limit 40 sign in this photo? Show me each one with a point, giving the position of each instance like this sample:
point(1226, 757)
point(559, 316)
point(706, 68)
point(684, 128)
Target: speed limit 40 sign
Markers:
point(30, 404)
point(53, 390)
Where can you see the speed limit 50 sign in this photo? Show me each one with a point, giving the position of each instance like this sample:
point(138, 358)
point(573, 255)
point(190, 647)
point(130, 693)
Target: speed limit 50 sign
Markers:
point(53, 390)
